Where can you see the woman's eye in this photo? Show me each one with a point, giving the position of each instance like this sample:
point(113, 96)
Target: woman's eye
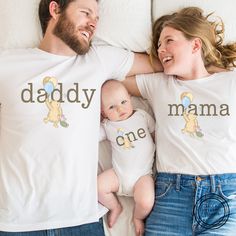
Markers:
point(111, 107)
point(124, 101)
point(169, 40)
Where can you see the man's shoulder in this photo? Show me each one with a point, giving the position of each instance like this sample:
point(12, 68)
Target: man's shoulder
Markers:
point(103, 48)
point(15, 52)
point(100, 45)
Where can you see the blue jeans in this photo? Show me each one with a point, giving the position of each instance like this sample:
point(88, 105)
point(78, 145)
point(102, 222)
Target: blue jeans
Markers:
point(92, 229)
point(187, 205)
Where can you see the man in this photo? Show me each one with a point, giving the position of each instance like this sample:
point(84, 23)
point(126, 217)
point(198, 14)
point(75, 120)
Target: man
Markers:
point(50, 114)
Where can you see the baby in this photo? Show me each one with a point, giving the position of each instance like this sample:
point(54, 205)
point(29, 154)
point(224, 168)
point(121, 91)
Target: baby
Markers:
point(131, 134)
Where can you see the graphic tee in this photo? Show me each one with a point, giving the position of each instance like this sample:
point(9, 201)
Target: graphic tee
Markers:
point(49, 133)
point(195, 122)
point(132, 145)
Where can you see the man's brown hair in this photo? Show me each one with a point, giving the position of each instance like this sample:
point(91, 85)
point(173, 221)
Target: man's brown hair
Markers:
point(44, 14)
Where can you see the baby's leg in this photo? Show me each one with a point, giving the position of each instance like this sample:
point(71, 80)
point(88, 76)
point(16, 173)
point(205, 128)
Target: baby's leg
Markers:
point(108, 184)
point(144, 200)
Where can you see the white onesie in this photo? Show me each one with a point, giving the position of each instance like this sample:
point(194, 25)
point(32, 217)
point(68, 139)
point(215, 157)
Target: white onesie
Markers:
point(132, 148)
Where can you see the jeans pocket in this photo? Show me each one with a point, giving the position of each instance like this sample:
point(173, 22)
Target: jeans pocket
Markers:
point(228, 191)
point(162, 189)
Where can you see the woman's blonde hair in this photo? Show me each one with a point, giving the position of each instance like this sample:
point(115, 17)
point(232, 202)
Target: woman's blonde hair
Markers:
point(191, 22)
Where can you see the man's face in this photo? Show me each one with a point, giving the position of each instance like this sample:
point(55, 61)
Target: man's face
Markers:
point(77, 24)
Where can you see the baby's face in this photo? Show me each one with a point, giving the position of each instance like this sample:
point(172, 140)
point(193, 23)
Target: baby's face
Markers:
point(116, 104)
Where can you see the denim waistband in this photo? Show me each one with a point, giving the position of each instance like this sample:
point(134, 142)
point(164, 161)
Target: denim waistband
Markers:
point(206, 180)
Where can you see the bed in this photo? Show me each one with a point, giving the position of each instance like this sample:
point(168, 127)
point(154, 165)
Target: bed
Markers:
point(123, 23)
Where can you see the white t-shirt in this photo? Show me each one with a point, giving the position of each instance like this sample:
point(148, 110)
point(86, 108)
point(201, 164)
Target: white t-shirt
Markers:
point(195, 122)
point(49, 133)
point(132, 145)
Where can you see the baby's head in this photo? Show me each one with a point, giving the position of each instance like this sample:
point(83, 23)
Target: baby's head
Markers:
point(116, 103)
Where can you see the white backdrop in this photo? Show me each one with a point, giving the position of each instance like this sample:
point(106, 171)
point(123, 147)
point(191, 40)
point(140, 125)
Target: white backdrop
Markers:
point(123, 23)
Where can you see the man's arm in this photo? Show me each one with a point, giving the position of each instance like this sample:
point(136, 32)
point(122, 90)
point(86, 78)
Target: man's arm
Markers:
point(131, 85)
point(142, 65)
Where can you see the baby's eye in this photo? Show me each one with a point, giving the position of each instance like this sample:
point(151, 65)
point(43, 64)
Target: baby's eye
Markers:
point(123, 102)
point(111, 107)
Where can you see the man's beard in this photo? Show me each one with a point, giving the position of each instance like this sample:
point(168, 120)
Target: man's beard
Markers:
point(66, 31)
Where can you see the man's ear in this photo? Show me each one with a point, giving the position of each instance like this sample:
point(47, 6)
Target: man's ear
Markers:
point(54, 9)
point(197, 44)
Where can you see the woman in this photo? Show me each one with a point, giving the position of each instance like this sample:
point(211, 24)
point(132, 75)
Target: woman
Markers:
point(195, 115)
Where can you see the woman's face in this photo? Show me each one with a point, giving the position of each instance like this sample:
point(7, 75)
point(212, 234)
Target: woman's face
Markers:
point(175, 52)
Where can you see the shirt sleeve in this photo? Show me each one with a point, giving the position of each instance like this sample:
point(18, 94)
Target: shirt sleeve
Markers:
point(116, 62)
point(148, 84)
